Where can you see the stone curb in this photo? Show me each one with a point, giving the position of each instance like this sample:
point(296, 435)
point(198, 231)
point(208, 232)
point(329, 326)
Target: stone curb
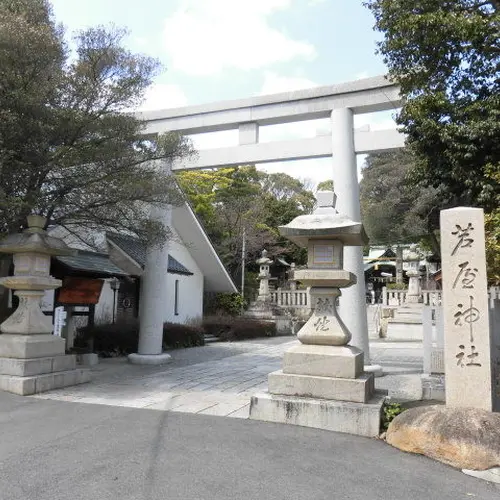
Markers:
point(492, 475)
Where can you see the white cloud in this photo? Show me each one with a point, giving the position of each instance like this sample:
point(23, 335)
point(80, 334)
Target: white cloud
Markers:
point(163, 96)
point(361, 75)
point(206, 37)
point(274, 83)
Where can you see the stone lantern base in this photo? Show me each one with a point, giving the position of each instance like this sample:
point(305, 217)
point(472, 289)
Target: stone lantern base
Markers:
point(322, 387)
point(30, 364)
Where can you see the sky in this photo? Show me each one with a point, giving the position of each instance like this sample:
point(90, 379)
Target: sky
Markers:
point(214, 50)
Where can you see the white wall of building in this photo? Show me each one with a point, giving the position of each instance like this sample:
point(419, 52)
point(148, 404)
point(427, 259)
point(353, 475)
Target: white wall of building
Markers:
point(190, 288)
point(190, 291)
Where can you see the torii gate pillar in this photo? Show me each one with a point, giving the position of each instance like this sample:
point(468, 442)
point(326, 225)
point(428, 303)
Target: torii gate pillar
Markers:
point(345, 176)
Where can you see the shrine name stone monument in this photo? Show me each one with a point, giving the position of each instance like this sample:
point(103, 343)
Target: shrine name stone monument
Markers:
point(33, 360)
point(469, 349)
point(323, 383)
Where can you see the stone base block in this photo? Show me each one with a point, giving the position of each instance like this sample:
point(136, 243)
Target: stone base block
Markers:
point(25, 386)
point(433, 387)
point(377, 370)
point(324, 361)
point(357, 390)
point(89, 359)
point(36, 366)
point(405, 331)
point(362, 419)
point(31, 346)
point(149, 359)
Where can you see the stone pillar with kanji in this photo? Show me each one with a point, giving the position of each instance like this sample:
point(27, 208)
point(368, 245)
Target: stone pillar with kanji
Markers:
point(469, 349)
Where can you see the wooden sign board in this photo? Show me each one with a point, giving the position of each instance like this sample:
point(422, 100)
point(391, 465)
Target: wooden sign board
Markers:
point(80, 291)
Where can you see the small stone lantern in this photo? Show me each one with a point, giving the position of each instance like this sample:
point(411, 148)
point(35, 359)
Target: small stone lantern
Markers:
point(264, 274)
point(323, 383)
point(31, 358)
point(414, 291)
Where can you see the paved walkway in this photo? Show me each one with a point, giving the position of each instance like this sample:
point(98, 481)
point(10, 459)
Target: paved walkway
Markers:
point(51, 450)
point(220, 378)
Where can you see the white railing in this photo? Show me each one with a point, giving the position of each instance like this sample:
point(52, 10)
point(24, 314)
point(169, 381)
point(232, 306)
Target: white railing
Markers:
point(291, 298)
point(429, 297)
point(433, 338)
point(493, 294)
point(393, 297)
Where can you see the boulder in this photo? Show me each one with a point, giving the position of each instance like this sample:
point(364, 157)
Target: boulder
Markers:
point(466, 438)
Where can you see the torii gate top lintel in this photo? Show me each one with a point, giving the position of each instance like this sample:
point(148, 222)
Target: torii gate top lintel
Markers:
point(361, 96)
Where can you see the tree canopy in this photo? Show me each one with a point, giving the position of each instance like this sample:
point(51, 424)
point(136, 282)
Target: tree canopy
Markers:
point(393, 211)
point(68, 149)
point(446, 57)
point(234, 201)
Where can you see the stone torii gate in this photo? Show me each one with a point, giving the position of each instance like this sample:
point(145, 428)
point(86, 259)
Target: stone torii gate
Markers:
point(339, 103)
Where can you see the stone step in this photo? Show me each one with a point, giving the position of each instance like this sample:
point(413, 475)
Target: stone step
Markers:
point(357, 390)
point(209, 338)
point(25, 386)
point(362, 419)
point(37, 366)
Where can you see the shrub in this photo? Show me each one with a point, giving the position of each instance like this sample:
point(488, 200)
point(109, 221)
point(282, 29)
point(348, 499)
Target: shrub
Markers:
point(176, 336)
point(231, 328)
point(229, 303)
point(110, 339)
point(396, 286)
point(122, 338)
point(390, 412)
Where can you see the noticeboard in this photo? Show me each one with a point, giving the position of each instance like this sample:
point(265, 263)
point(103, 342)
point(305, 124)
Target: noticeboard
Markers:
point(80, 291)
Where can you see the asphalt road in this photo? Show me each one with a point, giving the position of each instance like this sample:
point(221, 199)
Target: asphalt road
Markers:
point(56, 450)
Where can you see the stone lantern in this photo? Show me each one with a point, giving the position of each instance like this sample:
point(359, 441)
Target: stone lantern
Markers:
point(264, 274)
point(322, 383)
point(33, 360)
point(414, 292)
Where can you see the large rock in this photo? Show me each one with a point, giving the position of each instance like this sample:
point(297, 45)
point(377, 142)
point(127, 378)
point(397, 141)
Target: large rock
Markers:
point(466, 438)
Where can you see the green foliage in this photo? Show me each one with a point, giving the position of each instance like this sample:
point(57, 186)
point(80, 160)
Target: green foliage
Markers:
point(394, 210)
point(236, 201)
point(120, 339)
point(445, 56)
point(396, 286)
point(67, 150)
point(229, 303)
point(325, 185)
point(389, 412)
point(230, 328)
point(176, 336)
point(492, 227)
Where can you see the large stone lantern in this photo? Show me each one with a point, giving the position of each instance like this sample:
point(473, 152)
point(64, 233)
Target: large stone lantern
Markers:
point(322, 383)
point(31, 358)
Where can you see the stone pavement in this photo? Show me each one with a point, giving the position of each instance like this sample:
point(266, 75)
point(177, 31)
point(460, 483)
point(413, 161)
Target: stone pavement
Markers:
point(52, 450)
point(219, 378)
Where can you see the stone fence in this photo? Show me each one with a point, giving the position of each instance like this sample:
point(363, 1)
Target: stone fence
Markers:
point(429, 297)
point(296, 299)
point(398, 297)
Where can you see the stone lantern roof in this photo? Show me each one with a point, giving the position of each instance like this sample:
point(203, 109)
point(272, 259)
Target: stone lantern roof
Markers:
point(264, 259)
point(34, 239)
point(413, 254)
point(325, 223)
